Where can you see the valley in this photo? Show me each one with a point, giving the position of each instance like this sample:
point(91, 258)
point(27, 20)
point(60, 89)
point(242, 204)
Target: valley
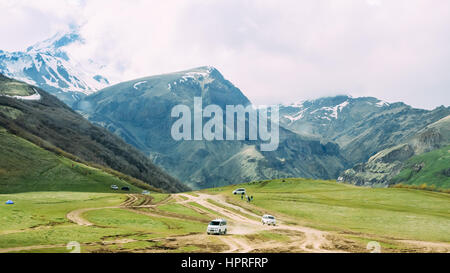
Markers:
point(313, 216)
point(225, 127)
point(80, 174)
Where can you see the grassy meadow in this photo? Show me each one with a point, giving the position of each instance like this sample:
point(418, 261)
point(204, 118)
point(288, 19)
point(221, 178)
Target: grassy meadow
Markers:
point(38, 219)
point(327, 205)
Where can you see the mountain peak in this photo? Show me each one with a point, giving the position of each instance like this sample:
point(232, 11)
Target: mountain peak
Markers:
point(50, 66)
point(57, 41)
point(206, 68)
point(204, 71)
point(322, 101)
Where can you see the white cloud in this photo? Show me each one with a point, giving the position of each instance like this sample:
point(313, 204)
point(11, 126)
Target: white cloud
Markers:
point(374, 2)
point(275, 51)
point(24, 22)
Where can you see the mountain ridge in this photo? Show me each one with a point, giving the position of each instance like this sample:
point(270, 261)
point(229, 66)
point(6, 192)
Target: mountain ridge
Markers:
point(140, 112)
point(361, 126)
point(350, 130)
point(383, 168)
point(49, 120)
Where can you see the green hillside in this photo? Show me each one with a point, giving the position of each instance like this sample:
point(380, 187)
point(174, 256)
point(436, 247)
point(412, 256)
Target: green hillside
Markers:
point(50, 124)
point(431, 169)
point(25, 167)
point(375, 213)
point(11, 87)
point(424, 159)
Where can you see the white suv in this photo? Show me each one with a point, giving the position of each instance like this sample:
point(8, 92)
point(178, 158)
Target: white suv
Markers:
point(218, 226)
point(239, 191)
point(268, 220)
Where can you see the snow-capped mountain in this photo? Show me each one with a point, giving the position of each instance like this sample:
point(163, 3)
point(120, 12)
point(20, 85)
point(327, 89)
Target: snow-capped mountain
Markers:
point(361, 126)
point(325, 110)
point(50, 66)
point(139, 111)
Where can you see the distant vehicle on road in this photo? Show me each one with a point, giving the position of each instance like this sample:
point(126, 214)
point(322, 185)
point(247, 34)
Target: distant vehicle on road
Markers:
point(146, 192)
point(114, 187)
point(217, 226)
point(239, 191)
point(125, 189)
point(268, 220)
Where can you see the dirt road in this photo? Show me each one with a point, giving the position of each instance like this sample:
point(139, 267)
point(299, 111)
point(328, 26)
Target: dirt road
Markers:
point(313, 240)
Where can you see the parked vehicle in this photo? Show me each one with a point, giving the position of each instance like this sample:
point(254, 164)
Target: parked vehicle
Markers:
point(114, 187)
point(217, 226)
point(125, 188)
point(239, 191)
point(268, 220)
point(146, 192)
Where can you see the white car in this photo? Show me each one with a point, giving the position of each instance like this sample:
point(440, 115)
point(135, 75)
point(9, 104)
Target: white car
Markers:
point(239, 191)
point(146, 192)
point(268, 220)
point(217, 226)
point(114, 187)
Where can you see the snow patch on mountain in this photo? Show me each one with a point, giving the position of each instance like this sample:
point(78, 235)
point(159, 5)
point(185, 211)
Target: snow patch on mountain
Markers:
point(306, 107)
point(336, 109)
point(200, 75)
point(136, 85)
point(382, 103)
point(49, 65)
point(295, 117)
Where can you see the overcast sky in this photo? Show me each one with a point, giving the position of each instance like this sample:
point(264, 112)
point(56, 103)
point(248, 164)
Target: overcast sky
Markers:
point(274, 51)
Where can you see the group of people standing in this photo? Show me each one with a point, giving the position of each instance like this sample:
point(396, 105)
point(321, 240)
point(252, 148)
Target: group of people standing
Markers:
point(248, 198)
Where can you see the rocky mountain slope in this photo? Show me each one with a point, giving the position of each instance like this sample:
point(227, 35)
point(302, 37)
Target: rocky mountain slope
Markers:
point(42, 119)
point(50, 66)
point(140, 112)
point(360, 126)
point(415, 161)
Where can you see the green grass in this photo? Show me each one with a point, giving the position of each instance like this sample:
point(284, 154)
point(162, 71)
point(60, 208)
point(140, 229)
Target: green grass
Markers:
point(402, 213)
point(210, 211)
point(58, 235)
point(138, 223)
point(183, 197)
point(39, 219)
point(158, 197)
point(434, 163)
point(182, 210)
point(10, 112)
point(25, 167)
point(32, 210)
point(11, 87)
point(232, 209)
